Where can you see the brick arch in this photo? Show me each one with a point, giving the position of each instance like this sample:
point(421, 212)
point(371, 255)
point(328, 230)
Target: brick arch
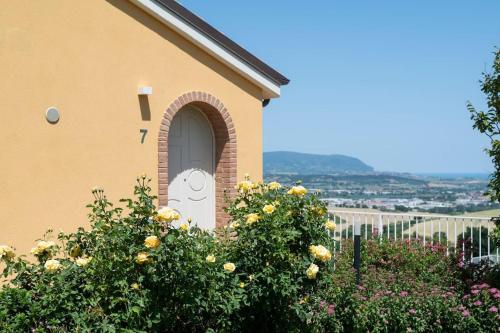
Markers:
point(225, 148)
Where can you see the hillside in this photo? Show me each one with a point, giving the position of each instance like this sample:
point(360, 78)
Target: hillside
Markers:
point(300, 163)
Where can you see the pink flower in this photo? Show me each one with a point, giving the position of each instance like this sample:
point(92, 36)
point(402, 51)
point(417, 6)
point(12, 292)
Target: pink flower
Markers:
point(493, 309)
point(322, 304)
point(466, 313)
point(484, 286)
point(493, 290)
point(478, 303)
point(331, 309)
point(466, 296)
point(497, 295)
point(403, 294)
point(361, 287)
point(475, 291)
point(412, 311)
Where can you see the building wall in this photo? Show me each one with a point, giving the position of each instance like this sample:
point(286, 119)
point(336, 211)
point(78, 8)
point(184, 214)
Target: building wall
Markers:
point(87, 58)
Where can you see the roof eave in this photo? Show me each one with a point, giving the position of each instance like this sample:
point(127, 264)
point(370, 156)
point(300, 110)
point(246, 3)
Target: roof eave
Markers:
point(270, 88)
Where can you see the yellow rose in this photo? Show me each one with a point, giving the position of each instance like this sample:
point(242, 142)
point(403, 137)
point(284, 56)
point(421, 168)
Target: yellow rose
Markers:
point(167, 214)
point(83, 261)
point(210, 258)
point(298, 191)
point(142, 258)
point(135, 286)
point(311, 271)
point(229, 267)
point(6, 252)
point(152, 242)
point(42, 247)
point(52, 265)
point(330, 225)
point(274, 185)
point(319, 210)
point(184, 227)
point(242, 285)
point(268, 209)
point(234, 225)
point(244, 186)
point(320, 252)
point(75, 251)
point(304, 300)
point(252, 218)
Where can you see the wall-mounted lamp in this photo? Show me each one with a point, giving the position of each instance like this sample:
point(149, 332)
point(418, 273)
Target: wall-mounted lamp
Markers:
point(142, 91)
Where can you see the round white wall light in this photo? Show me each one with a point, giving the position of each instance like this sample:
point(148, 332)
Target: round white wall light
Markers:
point(52, 115)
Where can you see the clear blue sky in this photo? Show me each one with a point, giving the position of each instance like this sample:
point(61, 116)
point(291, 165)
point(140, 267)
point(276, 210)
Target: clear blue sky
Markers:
point(384, 81)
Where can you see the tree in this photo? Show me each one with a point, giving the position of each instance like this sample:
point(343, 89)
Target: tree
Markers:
point(488, 122)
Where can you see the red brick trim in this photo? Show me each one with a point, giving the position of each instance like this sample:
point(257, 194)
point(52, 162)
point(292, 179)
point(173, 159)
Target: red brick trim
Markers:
point(225, 148)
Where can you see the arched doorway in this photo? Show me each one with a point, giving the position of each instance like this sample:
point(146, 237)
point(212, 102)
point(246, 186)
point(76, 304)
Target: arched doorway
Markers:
point(224, 138)
point(191, 155)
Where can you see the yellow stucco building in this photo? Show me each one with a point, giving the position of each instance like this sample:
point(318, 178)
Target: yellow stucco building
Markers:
point(96, 92)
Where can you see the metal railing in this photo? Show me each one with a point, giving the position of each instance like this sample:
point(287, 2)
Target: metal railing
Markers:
point(460, 234)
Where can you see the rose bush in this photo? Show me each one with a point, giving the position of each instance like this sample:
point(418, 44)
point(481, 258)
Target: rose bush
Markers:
point(272, 230)
point(271, 269)
point(132, 271)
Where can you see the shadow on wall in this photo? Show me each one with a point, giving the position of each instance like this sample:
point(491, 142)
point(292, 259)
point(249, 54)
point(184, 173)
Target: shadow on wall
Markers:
point(171, 36)
point(145, 109)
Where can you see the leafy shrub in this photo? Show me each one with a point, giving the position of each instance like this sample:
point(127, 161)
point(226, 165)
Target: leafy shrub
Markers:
point(133, 271)
point(406, 286)
point(481, 308)
point(274, 229)
point(270, 270)
point(136, 272)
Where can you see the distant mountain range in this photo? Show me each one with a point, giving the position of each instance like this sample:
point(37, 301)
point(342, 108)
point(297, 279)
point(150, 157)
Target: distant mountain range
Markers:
point(280, 162)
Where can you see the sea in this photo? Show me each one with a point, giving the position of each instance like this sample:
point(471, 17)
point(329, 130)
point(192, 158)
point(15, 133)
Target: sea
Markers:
point(455, 175)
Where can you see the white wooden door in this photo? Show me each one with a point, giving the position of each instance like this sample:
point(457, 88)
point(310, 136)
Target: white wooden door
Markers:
point(191, 184)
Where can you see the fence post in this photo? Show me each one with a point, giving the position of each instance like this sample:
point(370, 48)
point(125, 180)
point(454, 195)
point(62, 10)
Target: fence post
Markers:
point(357, 250)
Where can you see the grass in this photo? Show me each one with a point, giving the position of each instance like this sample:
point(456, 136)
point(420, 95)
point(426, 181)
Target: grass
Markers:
point(485, 213)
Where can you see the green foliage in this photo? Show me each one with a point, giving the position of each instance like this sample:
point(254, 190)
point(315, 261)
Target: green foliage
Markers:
point(174, 290)
point(133, 271)
point(274, 252)
point(270, 270)
point(488, 123)
point(406, 287)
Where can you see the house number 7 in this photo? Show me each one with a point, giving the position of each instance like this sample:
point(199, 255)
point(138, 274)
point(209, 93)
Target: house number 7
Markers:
point(143, 132)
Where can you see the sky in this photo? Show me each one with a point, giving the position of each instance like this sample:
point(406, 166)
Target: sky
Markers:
point(383, 81)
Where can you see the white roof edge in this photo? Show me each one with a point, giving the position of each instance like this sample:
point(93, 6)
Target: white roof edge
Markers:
point(269, 88)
